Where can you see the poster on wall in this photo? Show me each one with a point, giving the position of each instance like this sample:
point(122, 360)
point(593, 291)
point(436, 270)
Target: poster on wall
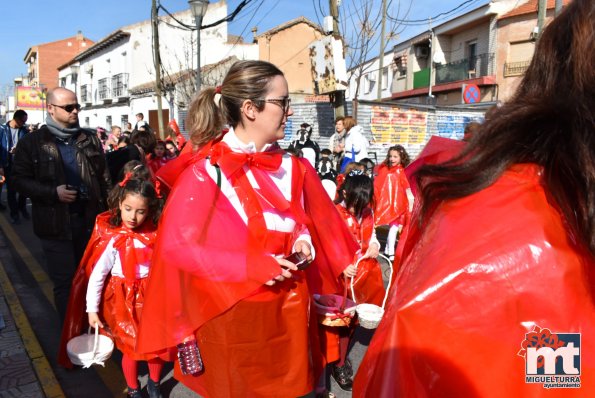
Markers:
point(30, 98)
point(397, 126)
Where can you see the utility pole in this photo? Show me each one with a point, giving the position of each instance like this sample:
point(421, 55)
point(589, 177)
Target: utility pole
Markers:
point(157, 62)
point(339, 95)
point(559, 6)
point(381, 55)
point(542, 7)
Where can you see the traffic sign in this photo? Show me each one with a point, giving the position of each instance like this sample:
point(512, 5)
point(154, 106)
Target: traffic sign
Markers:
point(471, 93)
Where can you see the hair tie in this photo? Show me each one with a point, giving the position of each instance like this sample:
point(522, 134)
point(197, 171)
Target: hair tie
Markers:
point(217, 99)
point(157, 185)
point(127, 178)
point(356, 172)
point(218, 90)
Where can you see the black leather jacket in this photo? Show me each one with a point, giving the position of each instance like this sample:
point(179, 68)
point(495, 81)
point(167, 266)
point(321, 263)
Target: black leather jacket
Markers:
point(38, 170)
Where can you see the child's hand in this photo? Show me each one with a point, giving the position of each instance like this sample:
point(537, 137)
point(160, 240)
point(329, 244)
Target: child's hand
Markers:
point(94, 320)
point(350, 271)
point(373, 251)
point(302, 246)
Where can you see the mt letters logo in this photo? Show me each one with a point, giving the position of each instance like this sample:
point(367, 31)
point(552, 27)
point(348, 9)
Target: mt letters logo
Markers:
point(552, 359)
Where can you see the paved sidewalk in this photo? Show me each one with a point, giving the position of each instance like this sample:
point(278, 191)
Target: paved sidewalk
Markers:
point(22, 362)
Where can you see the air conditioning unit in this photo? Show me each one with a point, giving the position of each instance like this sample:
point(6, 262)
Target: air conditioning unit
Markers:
point(328, 24)
point(422, 52)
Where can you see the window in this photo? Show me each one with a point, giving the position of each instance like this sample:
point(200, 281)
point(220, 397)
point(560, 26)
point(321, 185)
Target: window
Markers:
point(108, 123)
point(472, 54)
point(385, 78)
point(87, 122)
point(123, 121)
point(519, 58)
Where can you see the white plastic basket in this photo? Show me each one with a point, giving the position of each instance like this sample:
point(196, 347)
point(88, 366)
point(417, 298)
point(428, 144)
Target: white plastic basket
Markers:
point(369, 315)
point(88, 349)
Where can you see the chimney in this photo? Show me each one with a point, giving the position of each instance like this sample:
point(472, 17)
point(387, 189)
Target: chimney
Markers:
point(254, 30)
point(79, 35)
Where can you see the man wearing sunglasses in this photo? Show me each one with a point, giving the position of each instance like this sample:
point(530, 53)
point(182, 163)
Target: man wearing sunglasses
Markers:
point(61, 167)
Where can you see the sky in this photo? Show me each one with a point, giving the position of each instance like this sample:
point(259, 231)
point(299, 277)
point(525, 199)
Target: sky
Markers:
point(26, 23)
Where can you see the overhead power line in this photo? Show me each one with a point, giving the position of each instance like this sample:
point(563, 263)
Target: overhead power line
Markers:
point(228, 18)
point(434, 18)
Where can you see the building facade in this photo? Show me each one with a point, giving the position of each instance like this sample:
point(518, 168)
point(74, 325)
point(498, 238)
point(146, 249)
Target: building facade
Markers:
point(116, 76)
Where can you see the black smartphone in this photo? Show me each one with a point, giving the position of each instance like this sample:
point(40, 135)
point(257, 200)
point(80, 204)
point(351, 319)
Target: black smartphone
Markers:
point(299, 259)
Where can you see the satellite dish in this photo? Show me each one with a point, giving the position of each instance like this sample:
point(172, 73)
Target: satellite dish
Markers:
point(439, 58)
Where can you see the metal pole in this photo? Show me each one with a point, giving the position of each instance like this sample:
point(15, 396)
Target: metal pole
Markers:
point(157, 62)
point(198, 22)
point(559, 6)
point(339, 95)
point(542, 6)
point(381, 55)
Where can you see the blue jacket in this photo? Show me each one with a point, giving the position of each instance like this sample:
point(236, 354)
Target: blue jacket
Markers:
point(6, 143)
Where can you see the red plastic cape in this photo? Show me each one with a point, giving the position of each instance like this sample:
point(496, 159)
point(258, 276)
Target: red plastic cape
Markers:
point(437, 150)
point(390, 195)
point(76, 317)
point(367, 284)
point(475, 282)
point(179, 137)
point(201, 265)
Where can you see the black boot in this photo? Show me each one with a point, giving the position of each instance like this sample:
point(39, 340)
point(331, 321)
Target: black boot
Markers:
point(153, 389)
point(343, 375)
point(134, 393)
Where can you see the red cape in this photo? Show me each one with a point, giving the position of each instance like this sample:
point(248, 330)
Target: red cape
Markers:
point(201, 266)
point(390, 195)
point(75, 322)
point(472, 285)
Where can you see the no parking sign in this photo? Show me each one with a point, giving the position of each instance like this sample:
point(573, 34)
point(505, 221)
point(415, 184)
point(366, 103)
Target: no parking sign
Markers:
point(471, 93)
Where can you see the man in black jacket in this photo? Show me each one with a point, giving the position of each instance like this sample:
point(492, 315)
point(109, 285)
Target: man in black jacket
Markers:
point(61, 167)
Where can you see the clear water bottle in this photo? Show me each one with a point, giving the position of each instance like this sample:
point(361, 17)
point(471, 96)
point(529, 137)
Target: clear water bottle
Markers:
point(189, 357)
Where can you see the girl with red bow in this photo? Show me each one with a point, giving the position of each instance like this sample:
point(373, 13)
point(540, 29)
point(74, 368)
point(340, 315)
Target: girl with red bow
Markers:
point(354, 204)
point(238, 207)
point(113, 275)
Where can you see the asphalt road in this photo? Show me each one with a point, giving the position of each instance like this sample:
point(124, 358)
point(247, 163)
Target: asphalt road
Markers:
point(20, 252)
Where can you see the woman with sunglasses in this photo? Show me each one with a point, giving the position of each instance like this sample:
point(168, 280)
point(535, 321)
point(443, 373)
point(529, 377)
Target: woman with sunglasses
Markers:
point(240, 206)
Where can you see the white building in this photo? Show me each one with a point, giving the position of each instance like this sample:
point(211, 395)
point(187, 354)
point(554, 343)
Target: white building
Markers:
point(370, 78)
point(114, 78)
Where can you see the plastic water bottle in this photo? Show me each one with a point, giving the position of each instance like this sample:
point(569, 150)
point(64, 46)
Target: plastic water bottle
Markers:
point(189, 357)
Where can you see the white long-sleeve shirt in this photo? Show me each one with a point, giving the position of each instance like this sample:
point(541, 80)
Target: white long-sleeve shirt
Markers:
point(281, 178)
point(109, 261)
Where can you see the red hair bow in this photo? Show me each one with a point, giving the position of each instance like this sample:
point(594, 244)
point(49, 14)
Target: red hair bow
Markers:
point(127, 178)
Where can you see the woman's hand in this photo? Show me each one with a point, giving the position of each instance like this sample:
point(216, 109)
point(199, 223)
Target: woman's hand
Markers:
point(286, 268)
point(94, 320)
point(373, 251)
point(350, 271)
point(302, 246)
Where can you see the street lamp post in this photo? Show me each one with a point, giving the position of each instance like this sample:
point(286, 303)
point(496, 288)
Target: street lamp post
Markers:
point(199, 9)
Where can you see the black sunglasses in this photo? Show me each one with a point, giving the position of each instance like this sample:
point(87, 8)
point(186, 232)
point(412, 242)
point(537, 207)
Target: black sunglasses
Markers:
point(69, 108)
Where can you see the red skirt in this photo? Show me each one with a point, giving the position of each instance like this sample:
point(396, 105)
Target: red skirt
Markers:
point(122, 310)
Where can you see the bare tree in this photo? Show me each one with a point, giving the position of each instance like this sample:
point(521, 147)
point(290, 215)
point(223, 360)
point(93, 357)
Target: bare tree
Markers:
point(360, 27)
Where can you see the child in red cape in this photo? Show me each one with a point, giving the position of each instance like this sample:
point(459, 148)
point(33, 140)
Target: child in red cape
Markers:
point(391, 191)
point(158, 158)
point(113, 276)
point(354, 204)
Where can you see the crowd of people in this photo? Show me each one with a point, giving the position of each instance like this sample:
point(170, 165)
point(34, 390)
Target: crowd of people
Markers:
point(213, 253)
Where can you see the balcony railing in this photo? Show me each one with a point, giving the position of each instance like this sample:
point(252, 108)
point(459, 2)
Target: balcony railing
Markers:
point(515, 68)
point(120, 85)
point(421, 78)
point(466, 68)
point(86, 97)
point(104, 91)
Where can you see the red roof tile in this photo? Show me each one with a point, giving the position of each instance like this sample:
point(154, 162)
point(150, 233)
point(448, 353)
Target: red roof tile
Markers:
point(530, 7)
